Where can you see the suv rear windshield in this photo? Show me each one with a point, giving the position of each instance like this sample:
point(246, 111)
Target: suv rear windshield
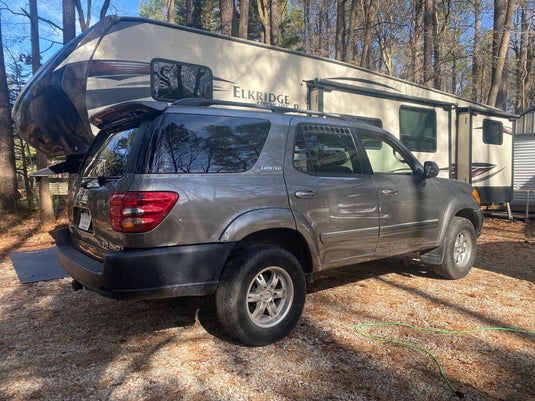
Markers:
point(108, 154)
point(182, 144)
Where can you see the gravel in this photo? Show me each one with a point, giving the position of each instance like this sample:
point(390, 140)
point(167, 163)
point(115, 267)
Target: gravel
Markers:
point(57, 344)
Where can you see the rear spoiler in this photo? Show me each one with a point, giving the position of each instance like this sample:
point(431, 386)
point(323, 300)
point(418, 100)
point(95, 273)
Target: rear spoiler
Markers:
point(125, 111)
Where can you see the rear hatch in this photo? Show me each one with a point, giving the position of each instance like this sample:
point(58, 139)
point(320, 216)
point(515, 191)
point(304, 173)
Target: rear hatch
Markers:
point(105, 171)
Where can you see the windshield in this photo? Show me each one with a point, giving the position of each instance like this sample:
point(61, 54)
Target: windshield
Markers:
point(107, 157)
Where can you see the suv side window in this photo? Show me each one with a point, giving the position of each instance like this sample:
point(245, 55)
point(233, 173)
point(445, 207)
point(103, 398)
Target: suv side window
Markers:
point(184, 144)
point(384, 157)
point(324, 150)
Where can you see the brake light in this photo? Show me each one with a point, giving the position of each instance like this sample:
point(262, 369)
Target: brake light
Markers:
point(138, 212)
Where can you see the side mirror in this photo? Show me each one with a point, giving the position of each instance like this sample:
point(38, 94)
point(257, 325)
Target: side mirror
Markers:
point(431, 169)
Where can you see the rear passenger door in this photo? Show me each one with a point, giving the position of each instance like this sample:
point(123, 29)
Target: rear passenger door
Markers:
point(331, 198)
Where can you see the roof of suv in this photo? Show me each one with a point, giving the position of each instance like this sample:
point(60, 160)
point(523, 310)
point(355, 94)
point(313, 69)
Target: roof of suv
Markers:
point(133, 109)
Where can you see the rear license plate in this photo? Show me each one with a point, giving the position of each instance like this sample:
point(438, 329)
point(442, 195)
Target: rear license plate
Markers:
point(85, 221)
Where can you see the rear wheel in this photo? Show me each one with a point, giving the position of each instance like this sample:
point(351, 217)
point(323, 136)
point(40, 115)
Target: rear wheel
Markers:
point(261, 295)
point(459, 250)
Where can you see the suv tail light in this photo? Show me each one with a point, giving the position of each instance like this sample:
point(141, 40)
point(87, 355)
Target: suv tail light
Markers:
point(138, 212)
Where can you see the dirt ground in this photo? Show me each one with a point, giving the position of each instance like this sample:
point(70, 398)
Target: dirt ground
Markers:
point(57, 344)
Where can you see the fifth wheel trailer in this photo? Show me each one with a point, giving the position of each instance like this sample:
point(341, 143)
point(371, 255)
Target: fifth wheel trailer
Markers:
point(124, 59)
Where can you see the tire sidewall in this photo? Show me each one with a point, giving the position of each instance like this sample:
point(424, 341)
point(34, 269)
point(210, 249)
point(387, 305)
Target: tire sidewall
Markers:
point(231, 295)
point(449, 268)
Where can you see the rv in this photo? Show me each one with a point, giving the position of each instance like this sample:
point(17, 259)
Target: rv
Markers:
point(125, 59)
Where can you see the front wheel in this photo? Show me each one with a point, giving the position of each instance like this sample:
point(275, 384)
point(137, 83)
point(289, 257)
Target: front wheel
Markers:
point(459, 250)
point(261, 295)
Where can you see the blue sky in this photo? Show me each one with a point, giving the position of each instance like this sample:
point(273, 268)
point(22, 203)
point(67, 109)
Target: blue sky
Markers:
point(16, 28)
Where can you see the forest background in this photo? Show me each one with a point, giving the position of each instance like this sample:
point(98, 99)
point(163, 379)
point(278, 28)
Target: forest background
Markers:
point(478, 49)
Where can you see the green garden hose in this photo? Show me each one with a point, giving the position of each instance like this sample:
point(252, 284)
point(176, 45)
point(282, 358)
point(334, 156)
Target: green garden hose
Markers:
point(457, 393)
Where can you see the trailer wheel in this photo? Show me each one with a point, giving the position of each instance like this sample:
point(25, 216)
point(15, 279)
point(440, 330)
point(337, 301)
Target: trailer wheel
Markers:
point(261, 295)
point(459, 250)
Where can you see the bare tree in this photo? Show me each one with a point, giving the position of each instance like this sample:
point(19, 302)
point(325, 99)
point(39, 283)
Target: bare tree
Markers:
point(274, 19)
point(227, 13)
point(429, 13)
point(476, 51)
point(8, 176)
point(523, 56)
point(244, 19)
point(171, 11)
point(264, 19)
point(503, 20)
point(366, 57)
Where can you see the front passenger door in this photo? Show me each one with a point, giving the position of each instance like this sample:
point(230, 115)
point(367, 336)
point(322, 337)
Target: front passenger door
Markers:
point(410, 207)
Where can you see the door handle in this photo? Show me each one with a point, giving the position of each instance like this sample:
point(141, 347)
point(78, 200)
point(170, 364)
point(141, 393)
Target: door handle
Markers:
point(304, 194)
point(390, 191)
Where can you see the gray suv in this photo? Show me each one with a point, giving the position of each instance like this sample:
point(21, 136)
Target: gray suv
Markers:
point(204, 197)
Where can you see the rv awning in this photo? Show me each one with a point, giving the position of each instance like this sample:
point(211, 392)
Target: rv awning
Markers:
point(329, 85)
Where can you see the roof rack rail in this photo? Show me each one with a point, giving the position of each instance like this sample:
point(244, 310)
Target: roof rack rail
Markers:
point(201, 102)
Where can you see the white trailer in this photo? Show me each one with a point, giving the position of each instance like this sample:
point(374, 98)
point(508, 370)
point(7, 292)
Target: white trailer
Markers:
point(125, 59)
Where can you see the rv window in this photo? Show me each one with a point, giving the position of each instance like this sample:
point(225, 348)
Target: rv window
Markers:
point(323, 150)
point(418, 129)
point(183, 144)
point(492, 132)
point(172, 80)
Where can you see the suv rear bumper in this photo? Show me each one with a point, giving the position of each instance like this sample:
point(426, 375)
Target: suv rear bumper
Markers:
point(146, 273)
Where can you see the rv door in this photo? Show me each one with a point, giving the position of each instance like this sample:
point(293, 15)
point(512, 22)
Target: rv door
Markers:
point(463, 147)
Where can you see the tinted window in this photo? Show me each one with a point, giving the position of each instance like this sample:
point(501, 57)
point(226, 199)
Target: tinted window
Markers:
point(108, 154)
point(385, 157)
point(203, 144)
point(418, 129)
point(325, 150)
point(171, 80)
point(492, 132)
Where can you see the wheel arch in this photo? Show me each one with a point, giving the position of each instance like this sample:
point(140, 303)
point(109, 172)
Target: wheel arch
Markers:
point(273, 226)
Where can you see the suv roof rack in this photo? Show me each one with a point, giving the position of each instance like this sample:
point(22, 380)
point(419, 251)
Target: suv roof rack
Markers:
point(201, 102)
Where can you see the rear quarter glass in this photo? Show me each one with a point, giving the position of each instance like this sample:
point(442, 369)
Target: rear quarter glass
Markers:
point(202, 144)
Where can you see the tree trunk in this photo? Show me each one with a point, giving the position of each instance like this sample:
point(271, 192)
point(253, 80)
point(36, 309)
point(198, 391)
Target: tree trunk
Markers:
point(274, 22)
point(227, 12)
point(437, 53)
point(264, 19)
point(171, 11)
point(244, 19)
point(69, 23)
point(340, 43)
point(429, 13)
point(522, 68)
point(45, 201)
point(84, 24)
point(366, 57)
point(503, 19)
point(476, 53)
point(104, 9)
point(351, 41)
point(8, 175)
point(27, 182)
point(416, 41)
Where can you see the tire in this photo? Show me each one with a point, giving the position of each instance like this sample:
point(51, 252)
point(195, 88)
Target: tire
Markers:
point(261, 295)
point(459, 250)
